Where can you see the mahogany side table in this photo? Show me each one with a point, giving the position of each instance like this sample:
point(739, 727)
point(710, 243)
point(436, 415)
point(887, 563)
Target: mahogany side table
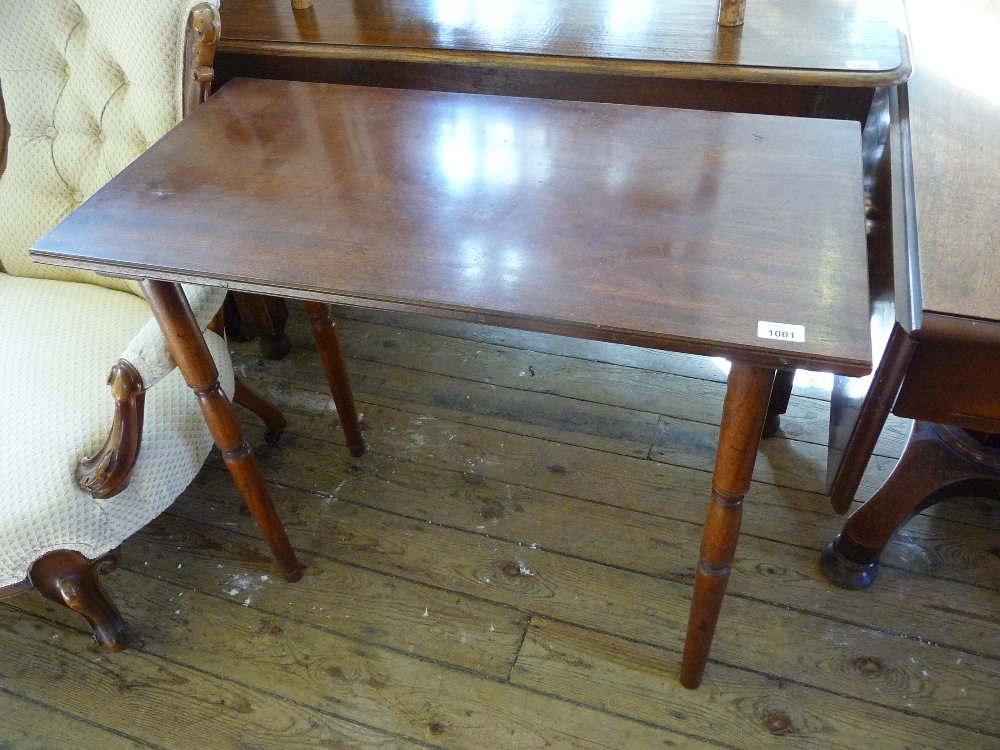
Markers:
point(731, 235)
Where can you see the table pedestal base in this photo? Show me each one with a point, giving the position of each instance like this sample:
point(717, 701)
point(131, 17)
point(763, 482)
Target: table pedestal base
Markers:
point(938, 462)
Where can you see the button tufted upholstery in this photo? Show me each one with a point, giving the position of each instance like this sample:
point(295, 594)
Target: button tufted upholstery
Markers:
point(86, 85)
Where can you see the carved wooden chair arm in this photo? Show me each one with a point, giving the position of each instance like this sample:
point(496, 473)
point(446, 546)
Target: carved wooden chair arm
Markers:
point(147, 359)
point(107, 472)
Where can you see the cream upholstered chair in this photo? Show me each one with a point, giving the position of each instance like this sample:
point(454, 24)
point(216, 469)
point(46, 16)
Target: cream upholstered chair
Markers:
point(85, 87)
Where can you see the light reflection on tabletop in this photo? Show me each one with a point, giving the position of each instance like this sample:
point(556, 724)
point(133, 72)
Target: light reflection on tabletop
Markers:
point(860, 37)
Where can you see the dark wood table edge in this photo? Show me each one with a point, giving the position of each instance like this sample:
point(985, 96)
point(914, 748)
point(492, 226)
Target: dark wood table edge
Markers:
point(743, 353)
point(937, 461)
point(591, 65)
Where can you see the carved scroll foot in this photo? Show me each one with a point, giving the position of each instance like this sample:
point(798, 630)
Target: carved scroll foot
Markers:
point(67, 577)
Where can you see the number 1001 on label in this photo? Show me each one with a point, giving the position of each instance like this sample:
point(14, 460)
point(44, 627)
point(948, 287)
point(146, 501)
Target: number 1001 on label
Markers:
point(781, 331)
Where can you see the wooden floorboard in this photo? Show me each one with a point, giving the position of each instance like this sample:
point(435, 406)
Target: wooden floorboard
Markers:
point(510, 565)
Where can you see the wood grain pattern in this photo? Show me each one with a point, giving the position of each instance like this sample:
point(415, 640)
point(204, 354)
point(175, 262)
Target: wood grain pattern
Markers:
point(566, 217)
point(22, 719)
point(746, 713)
point(183, 336)
point(339, 597)
point(680, 38)
point(414, 524)
point(166, 703)
point(954, 106)
point(647, 608)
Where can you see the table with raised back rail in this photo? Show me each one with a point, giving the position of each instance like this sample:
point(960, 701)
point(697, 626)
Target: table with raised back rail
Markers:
point(732, 235)
point(820, 58)
point(810, 58)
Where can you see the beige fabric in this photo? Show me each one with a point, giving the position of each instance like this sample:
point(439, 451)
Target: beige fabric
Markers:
point(57, 407)
point(88, 85)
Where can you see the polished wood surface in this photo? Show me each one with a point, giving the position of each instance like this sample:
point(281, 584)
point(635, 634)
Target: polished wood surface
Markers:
point(109, 471)
point(690, 65)
point(474, 464)
point(944, 352)
point(668, 229)
point(954, 115)
point(743, 416)
point(70, 579)
point(663, 229)
point(324, 329)
point(183, 337)
point(836, 42)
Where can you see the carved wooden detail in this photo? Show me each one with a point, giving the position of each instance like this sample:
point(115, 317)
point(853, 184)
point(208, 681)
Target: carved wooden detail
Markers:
point(204, 30)
point(107, 473)
point(69, 578)
point(4, 135)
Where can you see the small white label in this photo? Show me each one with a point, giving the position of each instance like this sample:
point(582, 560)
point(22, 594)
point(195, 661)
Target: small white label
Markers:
point(862, 65)
point(781, 331)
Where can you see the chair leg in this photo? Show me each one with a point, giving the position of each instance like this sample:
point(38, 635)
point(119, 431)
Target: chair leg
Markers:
point(250, 398)
point(67, 577)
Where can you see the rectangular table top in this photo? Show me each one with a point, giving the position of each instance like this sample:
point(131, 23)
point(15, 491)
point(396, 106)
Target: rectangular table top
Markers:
point(831, 42)
point(673, 229)
point(953, 119)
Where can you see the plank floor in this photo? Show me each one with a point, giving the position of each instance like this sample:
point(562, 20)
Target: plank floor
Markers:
point(510, 566)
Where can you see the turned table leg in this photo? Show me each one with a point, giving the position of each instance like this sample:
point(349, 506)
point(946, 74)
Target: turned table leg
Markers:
point(743, 418)
point(188, 347)
point(335, 366)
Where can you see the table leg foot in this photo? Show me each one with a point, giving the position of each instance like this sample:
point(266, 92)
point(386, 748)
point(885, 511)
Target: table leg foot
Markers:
point(335, 365)
point(743, 416)
point(843, 571)
point(255, 315)
point(188, 347)
point(938, 462)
